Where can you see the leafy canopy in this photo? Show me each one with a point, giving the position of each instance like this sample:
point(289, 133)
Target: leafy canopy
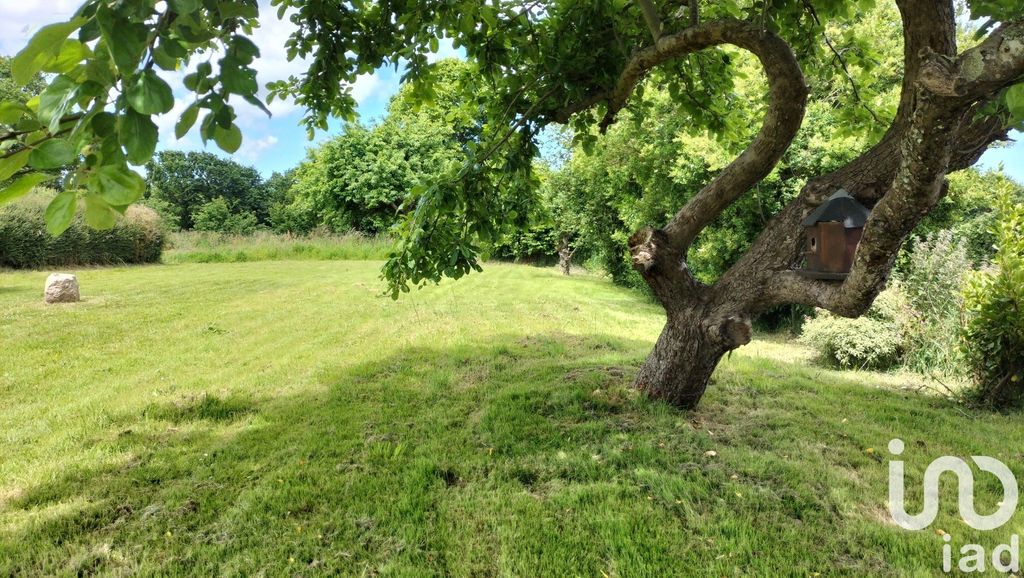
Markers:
point(535, 63)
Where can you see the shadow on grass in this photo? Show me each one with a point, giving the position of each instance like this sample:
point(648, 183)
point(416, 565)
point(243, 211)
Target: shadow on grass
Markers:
point(524, 456)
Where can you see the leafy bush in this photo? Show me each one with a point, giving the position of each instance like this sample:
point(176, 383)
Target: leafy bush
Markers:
point(993, 335)
point(217, 217)
point(933, 283)
point(874, 341)
point(359, 180)
point(294, 218)
point(25, 242)
point(536, 244)
point(170, 216)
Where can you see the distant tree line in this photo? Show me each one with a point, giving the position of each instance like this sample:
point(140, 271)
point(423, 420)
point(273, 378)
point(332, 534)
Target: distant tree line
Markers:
point(204, 192)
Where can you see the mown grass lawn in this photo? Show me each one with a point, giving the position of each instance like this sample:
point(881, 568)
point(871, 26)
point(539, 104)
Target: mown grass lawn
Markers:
point(285, 418)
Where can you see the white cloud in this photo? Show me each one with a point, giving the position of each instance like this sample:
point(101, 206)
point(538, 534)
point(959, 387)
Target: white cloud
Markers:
point(22, 18)
point(252, 149)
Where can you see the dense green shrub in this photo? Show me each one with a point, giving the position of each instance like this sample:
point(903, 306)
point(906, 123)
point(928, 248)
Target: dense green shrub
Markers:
point(993, 335)
point(537, 244)
point(217, 217)
point(295, 218)
point(170, 216)
point(25, 243)
point(933, 282)
point(874, 341)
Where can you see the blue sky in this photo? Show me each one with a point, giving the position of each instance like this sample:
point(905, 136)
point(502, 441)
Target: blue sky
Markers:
point(278, 143)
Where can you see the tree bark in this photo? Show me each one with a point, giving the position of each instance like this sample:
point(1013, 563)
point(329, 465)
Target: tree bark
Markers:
point(564, 256)
point(679, 368)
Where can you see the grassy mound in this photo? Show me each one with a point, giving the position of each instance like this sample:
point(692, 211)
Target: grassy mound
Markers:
point(285, 417)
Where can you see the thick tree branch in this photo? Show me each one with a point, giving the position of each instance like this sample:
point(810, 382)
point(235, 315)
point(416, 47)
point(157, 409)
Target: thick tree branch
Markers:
point(993, 64)
point(782, 121)
point(765, 45)
point(917, 186)
point(664, 269)
point(660, 255)
point(929, 27)
point(787, 101)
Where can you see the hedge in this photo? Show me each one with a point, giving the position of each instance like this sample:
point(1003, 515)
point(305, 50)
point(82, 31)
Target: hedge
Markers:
point(25, 243)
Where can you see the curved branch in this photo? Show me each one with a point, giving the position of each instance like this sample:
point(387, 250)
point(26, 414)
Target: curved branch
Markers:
point(782, 121)
point(787, 102)
point(773, 52)
point(993, 64)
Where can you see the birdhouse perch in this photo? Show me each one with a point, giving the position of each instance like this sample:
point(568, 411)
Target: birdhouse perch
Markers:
point(833, 231)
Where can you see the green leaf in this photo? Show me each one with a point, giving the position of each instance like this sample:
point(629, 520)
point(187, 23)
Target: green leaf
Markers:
point(71, 53)
point(228, 139)
point(98, 213)
point(13, 163)
point(125, 40)
point(188, 118)
point(236, 78)
point(163, 58)
point(52, 154)
point(45, 43)
point(12, 111)
point(150, 94)
point(22, 186)
point(116, 185)
point(103, 124)
point(55, 101)
point(258, 104)
point(139, 136)
point(234, 9)
point(1015, 102)
point(184, 6)
point(60, 212)
point(244, 50)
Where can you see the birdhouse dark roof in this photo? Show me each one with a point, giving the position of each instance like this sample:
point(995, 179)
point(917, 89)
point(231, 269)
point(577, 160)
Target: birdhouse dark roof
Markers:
point(840, 207)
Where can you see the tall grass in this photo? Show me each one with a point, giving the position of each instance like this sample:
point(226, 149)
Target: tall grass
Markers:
point(204, 247)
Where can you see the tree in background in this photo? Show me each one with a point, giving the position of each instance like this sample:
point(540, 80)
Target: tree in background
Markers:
point(188, 181)
point(970, 211)
point(11, 91)
point(359, 179)
point(536, 64)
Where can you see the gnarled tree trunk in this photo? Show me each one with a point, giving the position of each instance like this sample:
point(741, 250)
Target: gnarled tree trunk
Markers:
point(679, 369)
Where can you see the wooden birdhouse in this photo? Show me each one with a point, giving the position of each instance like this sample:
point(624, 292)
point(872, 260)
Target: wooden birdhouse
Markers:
point(833, 231)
